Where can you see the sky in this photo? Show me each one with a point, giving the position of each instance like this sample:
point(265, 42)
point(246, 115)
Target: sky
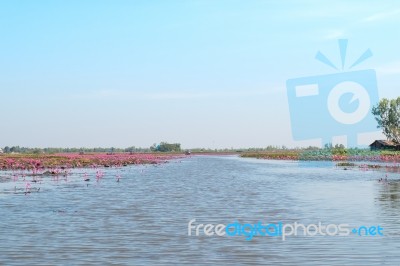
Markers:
point(202, 73)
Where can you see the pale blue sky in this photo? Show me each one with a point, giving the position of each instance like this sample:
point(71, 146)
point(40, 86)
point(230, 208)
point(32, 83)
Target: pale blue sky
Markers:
point(202, 73)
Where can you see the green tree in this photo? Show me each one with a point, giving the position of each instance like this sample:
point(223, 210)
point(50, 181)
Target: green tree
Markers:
point(153, 147)
point(166, 147)
point(339, 149)
point(387, 114)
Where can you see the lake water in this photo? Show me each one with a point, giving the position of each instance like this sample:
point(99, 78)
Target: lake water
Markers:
point(143, 219)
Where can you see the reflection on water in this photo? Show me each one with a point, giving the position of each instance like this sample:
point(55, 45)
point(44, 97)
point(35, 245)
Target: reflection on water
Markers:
point(389, 193)
point(143, 218)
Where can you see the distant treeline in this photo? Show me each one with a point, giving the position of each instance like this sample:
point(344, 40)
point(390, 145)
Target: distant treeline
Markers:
point(162, 147)
point(17, 149)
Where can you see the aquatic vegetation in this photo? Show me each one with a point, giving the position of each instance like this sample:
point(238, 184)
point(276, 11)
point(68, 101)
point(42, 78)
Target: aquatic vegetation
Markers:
point(370, 166)
point(365, 160)
point(347, 164)
point(57, 164)
point(354, 155)
point(273, 155)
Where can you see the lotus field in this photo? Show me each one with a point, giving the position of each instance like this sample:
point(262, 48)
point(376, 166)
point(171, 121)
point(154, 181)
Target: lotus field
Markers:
point(363, 159)
point(53, 162)
point(328, 155)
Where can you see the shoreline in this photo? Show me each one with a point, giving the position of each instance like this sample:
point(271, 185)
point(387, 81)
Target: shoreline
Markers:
point(323, 155)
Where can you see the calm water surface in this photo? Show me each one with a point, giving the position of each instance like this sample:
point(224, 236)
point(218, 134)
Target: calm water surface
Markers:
point(143, 219)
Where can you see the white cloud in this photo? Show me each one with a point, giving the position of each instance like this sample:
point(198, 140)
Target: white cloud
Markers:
point(334, 34)
point(382, 16)
point(389, 69)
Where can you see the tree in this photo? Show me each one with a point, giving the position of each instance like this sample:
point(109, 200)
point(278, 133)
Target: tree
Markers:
point(130, 149)
point(328, 146)
point(339, 149)
point(387, 114)
point(166, 147)
point(153, 147)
